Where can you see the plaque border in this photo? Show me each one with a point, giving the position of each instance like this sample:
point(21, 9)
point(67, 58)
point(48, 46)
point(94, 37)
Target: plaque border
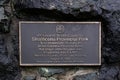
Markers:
point(21, 64)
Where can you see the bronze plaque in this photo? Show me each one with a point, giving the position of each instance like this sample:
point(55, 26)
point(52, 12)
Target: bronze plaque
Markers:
point(60, 43)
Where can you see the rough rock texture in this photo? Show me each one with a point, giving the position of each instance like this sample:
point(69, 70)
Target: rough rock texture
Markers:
point(106, 11)
point(29, 78)
point(91, 76)
point(110, 72)
point(46, 71)
point(9, 67)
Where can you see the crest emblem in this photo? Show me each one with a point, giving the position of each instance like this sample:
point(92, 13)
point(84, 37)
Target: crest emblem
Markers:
point(60, 29)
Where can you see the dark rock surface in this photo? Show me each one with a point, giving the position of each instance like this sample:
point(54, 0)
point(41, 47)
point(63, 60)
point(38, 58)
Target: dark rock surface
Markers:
point(9, 69)
point(4, 22)
point(29, 78)
point(51, 78)
point(106, 11)
point(47, 71)
point(108, 72)
point(90, 76)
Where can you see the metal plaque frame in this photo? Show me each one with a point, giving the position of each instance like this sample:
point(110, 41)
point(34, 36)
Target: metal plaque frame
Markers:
point(44, 22)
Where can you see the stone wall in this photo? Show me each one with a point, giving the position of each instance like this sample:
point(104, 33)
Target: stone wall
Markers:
point(13, 11)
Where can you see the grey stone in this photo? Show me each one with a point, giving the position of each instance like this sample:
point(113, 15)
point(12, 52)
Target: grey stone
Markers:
point(110, 72)
point(4, 59)
point(4, 22)
point(110, 5)
point(51, 78)
point(8, 63)
point(49, 71)
point(1, 2)
point(29, 78)
point(5, 26)
point(2, 14)
point(90, 76)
